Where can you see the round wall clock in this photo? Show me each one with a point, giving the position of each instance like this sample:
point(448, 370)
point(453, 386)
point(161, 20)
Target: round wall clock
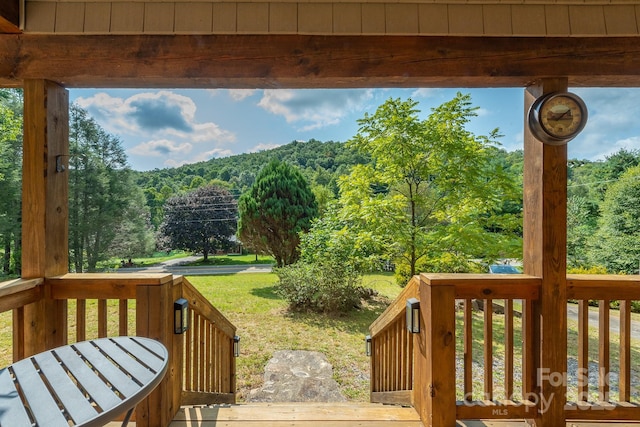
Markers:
point(556, 118)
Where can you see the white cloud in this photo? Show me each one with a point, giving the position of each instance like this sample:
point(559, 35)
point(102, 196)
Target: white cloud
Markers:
point(314, 108)
point(263, 147)
point(155, 114)
point(240, 94)
point(162, 147)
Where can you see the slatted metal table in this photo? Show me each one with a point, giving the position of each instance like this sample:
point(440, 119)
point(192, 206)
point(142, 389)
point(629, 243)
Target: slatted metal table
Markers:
point(83, 384)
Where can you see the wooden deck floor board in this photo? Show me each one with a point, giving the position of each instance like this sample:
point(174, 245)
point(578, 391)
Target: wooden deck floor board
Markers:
point(300, 414)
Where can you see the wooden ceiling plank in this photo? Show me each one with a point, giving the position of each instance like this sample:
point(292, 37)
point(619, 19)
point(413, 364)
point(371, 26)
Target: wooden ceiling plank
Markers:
point(306, 61)
point(9, 16)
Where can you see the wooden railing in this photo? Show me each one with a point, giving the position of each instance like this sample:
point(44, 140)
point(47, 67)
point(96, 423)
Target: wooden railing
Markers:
point(471, 362)
point(75, 307)
point(598, 395)
point(208, 361)
point(392, 352)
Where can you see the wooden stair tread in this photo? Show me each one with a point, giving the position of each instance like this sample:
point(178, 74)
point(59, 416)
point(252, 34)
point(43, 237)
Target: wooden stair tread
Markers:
point(298, 414)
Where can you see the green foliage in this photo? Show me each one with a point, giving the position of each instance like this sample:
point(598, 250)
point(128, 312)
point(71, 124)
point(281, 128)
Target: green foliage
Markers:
point(202, 220)
point(330, 238)
point(615, 244)
point(10, 180)
point(276, 209)
point(433, 192)
point(323, 287)
point(107, 211)
point(450, 263)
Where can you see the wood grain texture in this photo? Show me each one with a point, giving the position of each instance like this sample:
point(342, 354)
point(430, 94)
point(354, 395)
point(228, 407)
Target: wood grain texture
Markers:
point(544, 248)
point(264, 61)
point(10, 16)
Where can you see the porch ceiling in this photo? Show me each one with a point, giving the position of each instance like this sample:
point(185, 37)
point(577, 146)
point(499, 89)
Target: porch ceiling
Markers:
point(9, 16)
point(297, 61)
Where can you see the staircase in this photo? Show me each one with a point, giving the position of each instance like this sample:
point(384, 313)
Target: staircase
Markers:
point(297, 415)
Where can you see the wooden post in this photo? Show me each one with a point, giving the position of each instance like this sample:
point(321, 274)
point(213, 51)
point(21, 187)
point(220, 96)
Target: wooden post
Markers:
point(44, 208)
point(434, 391)
point(545, 250)
point(154, 319)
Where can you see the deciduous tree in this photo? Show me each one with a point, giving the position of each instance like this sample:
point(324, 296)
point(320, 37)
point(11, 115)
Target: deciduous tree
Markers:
point(202, 220)
point(431, 191)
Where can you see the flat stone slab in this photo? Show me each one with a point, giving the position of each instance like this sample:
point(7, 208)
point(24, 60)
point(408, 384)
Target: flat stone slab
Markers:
point(297, 376)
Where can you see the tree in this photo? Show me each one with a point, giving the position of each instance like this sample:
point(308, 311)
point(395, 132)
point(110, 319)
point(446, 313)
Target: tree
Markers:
point(10, 179)
point(276, 209)
point(202, 220)
point(103, 197)
point(615, 244)
point(431, 191)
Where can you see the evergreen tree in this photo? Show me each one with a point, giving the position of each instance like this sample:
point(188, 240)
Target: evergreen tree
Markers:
point(102, 195)
point(276, 209)
point(10, 179)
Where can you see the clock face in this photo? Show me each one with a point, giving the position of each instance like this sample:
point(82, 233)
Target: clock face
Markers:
point(556, 118)
point(561, 116)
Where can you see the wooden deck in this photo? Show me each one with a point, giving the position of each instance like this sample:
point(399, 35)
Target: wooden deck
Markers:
point(298, 415)
point(334, 414)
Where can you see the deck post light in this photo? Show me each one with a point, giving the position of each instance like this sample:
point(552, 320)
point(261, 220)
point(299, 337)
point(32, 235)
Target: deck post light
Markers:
point(367, 345)
point(413, 315)
point(180, 316)
point(236, 346)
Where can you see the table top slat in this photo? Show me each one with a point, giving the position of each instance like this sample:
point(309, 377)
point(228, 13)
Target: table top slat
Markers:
point(43, 406)
point(96, 387)
point(53, 386)
point(139, 372)
point(12, 412)
point(147, 351)
point(72, 399)
point(111, 372)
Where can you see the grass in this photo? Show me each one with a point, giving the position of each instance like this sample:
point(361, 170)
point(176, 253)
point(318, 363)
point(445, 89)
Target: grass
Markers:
point(265, 325)
point(234, 260)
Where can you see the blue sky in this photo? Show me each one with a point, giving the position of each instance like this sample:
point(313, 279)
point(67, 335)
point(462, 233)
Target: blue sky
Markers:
point(168, 128)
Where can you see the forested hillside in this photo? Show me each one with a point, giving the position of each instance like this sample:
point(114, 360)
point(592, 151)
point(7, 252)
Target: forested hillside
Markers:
point(117, 212)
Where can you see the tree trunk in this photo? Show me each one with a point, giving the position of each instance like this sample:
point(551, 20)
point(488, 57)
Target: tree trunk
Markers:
point(7, 254)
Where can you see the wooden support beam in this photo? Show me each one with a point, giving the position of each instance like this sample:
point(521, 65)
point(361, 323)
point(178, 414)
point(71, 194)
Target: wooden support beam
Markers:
point(434, 390)
point(545, 253)
point(278, 61)
point(10, 16)
point(44, 210)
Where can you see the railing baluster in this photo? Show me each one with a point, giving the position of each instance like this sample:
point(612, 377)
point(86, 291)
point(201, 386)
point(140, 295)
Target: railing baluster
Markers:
point(102, 318)
point(488, 349)
point(529, 368)
point(81, 320)
point(625, 351)
point(468, 350)
point(583, 350)
point(188, 353)
point(201, 358)
point(508, 352)
point(604, 362)
point(123, 327)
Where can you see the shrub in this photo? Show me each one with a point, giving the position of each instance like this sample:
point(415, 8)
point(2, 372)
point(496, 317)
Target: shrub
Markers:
point(323, 287)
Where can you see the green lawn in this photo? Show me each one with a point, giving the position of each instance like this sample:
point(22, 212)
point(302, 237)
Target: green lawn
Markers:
point(265, 325)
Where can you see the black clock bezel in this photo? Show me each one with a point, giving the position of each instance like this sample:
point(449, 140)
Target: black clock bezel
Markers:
point(540, 131)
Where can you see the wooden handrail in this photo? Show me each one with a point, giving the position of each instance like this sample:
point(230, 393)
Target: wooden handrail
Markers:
point(396, 308)
point(210, 348)
point(19, 292)
point(488, 286)
point(203, 306)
